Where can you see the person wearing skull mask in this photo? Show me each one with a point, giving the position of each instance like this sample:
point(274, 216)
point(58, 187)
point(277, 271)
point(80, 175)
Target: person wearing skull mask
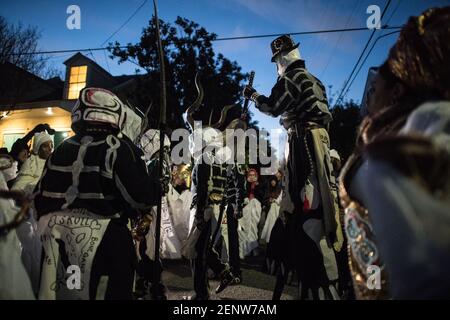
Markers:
point(92, 185)
point(309, 208)
point(217, 188)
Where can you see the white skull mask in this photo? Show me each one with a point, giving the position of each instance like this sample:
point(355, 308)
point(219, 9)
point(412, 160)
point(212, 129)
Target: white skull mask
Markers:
point(284, 59)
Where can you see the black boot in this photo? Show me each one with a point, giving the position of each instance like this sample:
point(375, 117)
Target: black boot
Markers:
point(226, 278)
point(158, 292)
point(141, 289)
point(237, 278)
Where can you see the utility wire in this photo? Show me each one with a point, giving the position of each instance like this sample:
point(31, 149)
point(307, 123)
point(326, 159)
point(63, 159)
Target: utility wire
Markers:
point(118, 29)
point(106, 60)
point(123, 25)
point(373, 45)
point(360, 57)
point(362, 64)
point(218, 39)
point(356, 6)
point(92, 55)
point(301, 33)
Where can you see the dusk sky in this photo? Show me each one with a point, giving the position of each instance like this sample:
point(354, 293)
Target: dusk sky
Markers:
point(330, 57)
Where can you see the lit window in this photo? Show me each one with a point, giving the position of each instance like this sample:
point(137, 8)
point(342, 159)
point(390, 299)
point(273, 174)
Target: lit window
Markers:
point(77, 81)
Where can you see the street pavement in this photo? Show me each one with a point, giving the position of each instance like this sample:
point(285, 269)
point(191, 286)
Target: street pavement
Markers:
point(256, 285)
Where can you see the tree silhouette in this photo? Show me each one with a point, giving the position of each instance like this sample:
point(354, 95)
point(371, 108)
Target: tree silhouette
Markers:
point(15, 40)
point(343, 128)
point(188, 50)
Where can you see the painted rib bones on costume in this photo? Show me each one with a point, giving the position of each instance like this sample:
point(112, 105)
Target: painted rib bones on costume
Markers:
point(102, 181)
point(215, 188)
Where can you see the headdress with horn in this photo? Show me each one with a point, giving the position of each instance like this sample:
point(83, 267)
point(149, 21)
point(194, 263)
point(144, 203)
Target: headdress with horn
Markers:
point(230, 115)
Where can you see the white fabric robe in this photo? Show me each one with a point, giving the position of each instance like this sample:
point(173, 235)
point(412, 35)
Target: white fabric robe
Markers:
point(14, 280)
point(29, 174)
point(248, 227)
point(170, 246)
point(272, 216)
point(180, 208)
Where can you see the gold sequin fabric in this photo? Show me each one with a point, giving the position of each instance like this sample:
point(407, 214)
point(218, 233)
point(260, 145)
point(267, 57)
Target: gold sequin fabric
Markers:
point(364, 257)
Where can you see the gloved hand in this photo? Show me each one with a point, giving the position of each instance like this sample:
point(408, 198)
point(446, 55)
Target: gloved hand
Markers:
point(248, 92)
point(43, 127)
point(142, 226)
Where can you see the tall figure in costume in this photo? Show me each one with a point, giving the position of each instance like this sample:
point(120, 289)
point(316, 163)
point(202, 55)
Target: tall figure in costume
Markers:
point(215, 189)
point(309, 207)
point(92, 184)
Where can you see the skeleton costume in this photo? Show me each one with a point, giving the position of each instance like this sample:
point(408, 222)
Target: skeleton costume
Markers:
point(395, 188)
point(216, 187)
point(309, 207)
point(91, 185)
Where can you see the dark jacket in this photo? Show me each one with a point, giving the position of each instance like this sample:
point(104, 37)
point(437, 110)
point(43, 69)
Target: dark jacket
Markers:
point(297, 96)
point(212, 182)
point(106, 176)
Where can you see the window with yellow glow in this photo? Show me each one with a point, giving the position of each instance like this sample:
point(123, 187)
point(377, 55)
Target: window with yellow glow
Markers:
point(77, 81)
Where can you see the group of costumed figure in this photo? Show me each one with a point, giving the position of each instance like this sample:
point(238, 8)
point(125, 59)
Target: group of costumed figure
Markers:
point(95, 206)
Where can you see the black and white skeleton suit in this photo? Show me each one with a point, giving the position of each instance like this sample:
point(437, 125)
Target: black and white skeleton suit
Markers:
point(217, 186)
point(92, 184)
point(309, 209)
point(210, 180)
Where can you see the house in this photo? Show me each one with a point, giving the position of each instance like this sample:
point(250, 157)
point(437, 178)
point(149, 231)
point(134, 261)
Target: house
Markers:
point(27, 100)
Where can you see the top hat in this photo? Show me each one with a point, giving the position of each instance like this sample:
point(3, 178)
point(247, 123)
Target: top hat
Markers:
point(282, 44)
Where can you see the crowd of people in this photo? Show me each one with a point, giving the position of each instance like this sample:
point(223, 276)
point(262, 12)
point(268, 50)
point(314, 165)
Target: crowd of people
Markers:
point(331, 226)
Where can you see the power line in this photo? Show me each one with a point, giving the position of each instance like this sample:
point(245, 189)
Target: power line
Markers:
point(393, 11)
point(118, 29)
point(68, 50)
point(356, 6)
point(92, 55)
point(301, 33)
point(373, 45)
point(218, 39)
point(106, 60)
point(365, 59)
point(359, 59)
point(323, 19)
point(123, 25)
